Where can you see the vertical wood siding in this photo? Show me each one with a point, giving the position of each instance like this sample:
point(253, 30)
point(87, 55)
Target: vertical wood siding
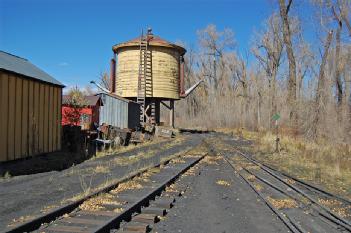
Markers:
point(30, 117)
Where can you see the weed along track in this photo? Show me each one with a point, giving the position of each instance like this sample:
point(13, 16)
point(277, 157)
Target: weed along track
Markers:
point(133, 204)
point(301, 206)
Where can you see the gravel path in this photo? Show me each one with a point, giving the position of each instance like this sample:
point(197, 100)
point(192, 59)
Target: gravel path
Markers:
point(24, 196)
point(211, 207)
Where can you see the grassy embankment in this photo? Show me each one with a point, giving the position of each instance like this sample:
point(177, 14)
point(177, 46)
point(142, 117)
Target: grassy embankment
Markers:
point(323, 163)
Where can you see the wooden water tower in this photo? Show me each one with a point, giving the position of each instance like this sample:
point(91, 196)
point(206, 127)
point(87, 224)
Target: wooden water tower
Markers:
point(150, 71)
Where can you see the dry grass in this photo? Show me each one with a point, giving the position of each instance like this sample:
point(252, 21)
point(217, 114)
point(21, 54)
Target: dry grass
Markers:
point(177, 160)
point(258, 187)
point(98, 202)
point(101, 169)
point(285, 203)
point(190, 172)
point(182, 153)
point(251, 178)
point(20, 220)
point(322, 162)
point(107, 183)
point(122, 149)
point(252, 167)
point(211, 160)
point(336, 206)
point(129, 185)
point(201, 150)
point(48, 208)
point(289, 181)
point(171, 188)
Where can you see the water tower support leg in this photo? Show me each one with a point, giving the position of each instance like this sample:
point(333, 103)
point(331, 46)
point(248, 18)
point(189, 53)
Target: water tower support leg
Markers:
point(171, 113)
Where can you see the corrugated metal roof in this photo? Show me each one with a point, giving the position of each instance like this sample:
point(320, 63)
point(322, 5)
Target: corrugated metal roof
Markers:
point(117, 97)
point(22, 66)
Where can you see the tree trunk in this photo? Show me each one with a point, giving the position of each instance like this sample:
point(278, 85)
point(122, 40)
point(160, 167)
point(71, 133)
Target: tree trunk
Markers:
point(292, 63)
point(346, 109)
point(273, 94)
point(339, 90)
point(320, 95)
point(259, 101)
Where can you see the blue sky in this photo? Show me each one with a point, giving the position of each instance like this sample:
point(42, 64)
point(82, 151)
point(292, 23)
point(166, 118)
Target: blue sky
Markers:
point(72, 40)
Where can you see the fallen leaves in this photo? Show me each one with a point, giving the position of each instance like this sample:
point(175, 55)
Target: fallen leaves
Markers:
point(177, 160)
point(129, 185)
point(211, 160)
point(285, 203)
point(223, 183)
point(289, 181)
point(98, 202)
point(251, 178)
point(336, 206)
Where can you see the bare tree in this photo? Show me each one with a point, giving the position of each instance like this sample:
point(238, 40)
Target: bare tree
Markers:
point(284, 10)
point(213, 45)
point(321, 88)
point(268, 51)
point(338, 82)
point(104, 80)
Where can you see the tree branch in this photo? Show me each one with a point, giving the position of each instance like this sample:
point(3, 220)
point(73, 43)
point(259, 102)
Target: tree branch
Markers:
point(288, 7)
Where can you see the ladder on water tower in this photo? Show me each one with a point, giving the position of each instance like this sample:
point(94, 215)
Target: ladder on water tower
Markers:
point(145, 80)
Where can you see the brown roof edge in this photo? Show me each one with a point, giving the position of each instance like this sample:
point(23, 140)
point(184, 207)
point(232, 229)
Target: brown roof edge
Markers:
point(117, 97)
point(31, 78)
point(156, 41)
point(92, 100)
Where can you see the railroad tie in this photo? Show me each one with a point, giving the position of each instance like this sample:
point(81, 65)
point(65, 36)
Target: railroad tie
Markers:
point(82, 221)
point(136, 227)
point(163, 202)
point(73, 229)
point(154, 210)
point(97, 213)
point(127, 198)
point(145, 218)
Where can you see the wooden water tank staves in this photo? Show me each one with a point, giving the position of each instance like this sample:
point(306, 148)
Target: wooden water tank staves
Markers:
point(165, 68)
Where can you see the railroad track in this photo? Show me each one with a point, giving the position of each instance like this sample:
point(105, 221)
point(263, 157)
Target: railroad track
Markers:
point(133, 204)
point(305, 213)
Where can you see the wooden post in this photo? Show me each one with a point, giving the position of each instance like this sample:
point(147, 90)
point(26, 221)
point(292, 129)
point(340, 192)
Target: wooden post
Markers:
point(277, 140)
point(171, 113)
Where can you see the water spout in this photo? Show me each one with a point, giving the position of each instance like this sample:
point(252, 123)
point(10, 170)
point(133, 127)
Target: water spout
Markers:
point(191, 89)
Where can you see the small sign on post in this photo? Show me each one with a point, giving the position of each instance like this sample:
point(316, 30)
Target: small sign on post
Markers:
point(276, 118)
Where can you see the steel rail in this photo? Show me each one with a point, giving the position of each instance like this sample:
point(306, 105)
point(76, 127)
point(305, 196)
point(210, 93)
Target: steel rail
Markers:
point(290, 224)
point(35, 223)
point(311, 186)
point(341, 221)
point(304, 183)
point(334, 220)
point(115, 221)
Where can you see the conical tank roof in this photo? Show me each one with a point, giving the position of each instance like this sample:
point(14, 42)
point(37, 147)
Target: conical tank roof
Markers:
point(154, 41)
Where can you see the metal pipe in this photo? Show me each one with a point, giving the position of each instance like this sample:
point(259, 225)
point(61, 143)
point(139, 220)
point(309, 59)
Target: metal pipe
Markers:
point(113, 75)
point(191, 89)
point(100, 87)
point(181, 83)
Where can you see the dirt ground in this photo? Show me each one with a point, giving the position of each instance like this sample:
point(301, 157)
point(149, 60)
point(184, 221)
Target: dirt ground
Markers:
point(25, 197)
point(220, 201)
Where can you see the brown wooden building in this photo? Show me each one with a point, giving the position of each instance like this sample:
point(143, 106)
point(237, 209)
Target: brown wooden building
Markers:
point(30, 109)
